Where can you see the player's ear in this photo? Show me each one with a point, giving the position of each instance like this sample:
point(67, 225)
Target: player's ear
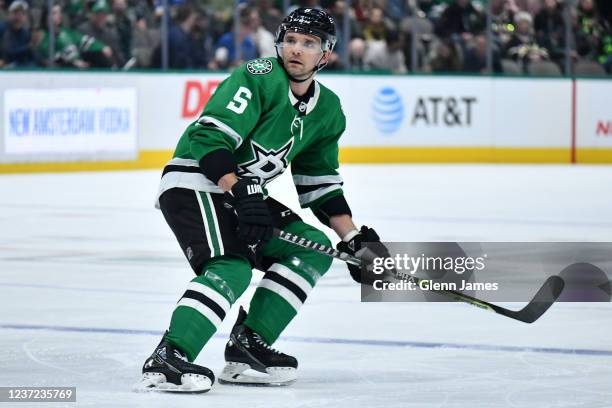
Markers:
point(326, 57)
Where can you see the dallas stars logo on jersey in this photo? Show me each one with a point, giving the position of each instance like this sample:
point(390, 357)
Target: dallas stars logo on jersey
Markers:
point(259, 66)
point(267, 164)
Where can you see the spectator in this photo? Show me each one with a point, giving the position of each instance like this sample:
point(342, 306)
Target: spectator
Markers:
point(271, 17)
point(550, 29)
point(144, 9)
point(386, 54)
point(375, 28)
point(336, 10)
point(182, 48)
point(122, 21)
point(446, 56)
point(75, 12)
point(356, 55)
point(72, 49)
point(530, 6)
point(460, 20)
point(397, 9)
point(16, 42)
point(502, 16)
point(264, 39)
point(225, 54)
point(202, 38)
point(523, 46)
point(423, 50)
point(475, 59)
point(98, 28)
point(144, 41)
point(593, 28)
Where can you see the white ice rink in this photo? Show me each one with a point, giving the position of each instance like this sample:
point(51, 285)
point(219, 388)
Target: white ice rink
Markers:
point(89, 274)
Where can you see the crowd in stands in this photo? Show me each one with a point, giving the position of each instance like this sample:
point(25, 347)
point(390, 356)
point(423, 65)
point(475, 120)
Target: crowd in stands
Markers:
point(528, 36)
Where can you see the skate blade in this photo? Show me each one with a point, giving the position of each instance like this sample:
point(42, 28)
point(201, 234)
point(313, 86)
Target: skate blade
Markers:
point(190, 384)
point(243, 374)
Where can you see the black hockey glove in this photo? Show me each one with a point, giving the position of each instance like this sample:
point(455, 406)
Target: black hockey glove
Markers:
point(373, 249)
point(254, 219)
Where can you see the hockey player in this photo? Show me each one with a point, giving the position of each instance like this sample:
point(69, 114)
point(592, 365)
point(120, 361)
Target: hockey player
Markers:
point(270, 112)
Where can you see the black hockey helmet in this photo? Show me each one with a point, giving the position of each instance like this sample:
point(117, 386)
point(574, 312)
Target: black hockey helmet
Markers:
point(309, 21)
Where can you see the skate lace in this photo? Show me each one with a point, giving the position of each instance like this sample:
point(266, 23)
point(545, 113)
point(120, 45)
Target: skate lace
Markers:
point(265, 345)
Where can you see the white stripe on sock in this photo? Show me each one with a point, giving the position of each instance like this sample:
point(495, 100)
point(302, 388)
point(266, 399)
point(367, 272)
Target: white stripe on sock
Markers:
point(202, 309)
point(287, 273)
point(282, 291)
point(211, 294)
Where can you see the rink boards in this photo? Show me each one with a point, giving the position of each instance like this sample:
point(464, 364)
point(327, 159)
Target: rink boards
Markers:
point(101, 120)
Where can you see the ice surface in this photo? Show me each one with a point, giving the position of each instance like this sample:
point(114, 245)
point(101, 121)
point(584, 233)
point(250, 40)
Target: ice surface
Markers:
point(89, 274)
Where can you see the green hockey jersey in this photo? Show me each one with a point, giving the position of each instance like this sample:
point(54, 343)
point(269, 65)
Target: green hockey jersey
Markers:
point(252, 114)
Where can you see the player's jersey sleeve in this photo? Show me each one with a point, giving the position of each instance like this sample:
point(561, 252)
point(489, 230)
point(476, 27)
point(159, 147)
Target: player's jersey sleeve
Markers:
point(315, 170)
point(229, 116)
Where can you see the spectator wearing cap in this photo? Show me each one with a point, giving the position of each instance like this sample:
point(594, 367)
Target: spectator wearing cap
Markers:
point(97, 27)
point(72, 49)
point(16, 41)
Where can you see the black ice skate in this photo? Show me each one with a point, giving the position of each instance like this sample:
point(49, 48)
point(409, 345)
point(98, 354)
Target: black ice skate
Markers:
point(168, 370)
point(251, 361)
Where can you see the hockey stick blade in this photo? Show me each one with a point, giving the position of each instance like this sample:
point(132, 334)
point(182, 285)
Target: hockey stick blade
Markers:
point(541, 302)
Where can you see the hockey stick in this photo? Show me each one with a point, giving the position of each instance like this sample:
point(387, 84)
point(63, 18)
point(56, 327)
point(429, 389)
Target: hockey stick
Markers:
point(541, 302)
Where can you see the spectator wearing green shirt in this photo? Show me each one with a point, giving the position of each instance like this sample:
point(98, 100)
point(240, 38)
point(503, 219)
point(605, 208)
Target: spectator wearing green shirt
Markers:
point(72, 49)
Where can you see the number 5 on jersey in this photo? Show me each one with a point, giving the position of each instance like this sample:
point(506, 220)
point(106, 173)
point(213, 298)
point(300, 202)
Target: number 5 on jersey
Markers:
point(238, 103)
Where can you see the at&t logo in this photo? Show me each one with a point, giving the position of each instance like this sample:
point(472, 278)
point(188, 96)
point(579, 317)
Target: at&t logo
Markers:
point(388, 110)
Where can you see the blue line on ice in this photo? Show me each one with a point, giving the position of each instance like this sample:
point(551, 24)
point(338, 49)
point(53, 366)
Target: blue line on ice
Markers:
point(327, 340)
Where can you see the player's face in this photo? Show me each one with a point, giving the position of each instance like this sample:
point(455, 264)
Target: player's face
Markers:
point(301, 53)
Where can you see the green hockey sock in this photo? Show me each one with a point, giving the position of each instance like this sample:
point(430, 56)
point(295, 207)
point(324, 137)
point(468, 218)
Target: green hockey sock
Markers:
point(205, 303)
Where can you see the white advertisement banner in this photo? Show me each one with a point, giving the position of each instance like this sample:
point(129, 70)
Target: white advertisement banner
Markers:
point(593, 113)
point(113, 115)
point(414, 111)
point(81, 122)
point(532, 112)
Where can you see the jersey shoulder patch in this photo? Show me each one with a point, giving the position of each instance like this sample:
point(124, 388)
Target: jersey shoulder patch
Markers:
point(259, 66)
